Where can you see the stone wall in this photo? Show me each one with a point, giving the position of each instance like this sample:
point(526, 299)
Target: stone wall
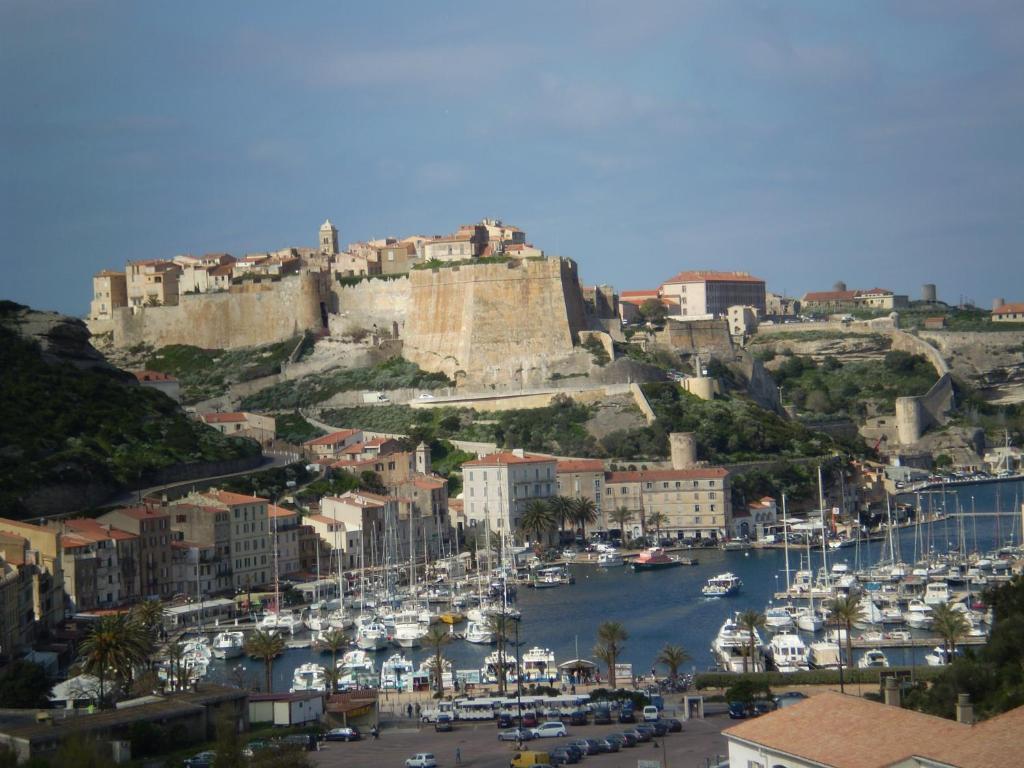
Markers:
point(914, 415)
point(494, 323)
point(249, 314)
point(697, 336)
point(372, 303)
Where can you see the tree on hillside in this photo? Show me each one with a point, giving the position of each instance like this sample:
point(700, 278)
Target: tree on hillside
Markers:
point(653, 311)
point(229, 744)
point(112, 650)
point(611, 640)
point(23, 685)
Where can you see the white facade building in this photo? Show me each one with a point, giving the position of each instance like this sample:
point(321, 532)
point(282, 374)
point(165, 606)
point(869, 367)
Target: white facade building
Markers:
point(499, 487)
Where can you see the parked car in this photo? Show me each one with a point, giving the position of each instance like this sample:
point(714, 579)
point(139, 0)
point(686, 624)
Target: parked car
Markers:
point(202, 760)
point(647, 729)
point(530, 720)
point(588, 746)
point(343, 734)
point(602, 715)
point(579, 753)
point(305, 741)
point(650, 713)
point(629, 738)
point(609, 745)
point(641, 735)
point(421, 760)
point(444, 723)
point(616, 738)
point(550, 729)
point(660, 727)
point(578, 717)
point(505, 720)
point(530, 759)
point(627, 715)
point(426, 396)
point(674, 725)
point(563, 756)
point(788, 699)
point(516, 734)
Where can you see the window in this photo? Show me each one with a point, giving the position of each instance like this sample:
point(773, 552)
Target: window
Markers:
point(648, 486)
point(622, 491)
point(664, 485)
point(711, 494)
point(711, 483)
point(696, 484)
point(696, 507)
point(712, 507)
point(678, 484)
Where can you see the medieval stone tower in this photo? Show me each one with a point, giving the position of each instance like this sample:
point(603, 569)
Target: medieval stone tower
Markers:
point(684, 450)
point(423, 466)
point(328, 238)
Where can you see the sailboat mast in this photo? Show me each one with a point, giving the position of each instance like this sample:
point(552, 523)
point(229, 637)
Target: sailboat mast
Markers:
point(824, 548)
point(785, 539)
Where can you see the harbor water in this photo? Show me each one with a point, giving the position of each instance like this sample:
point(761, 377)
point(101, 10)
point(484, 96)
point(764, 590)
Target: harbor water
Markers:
point(666, 606)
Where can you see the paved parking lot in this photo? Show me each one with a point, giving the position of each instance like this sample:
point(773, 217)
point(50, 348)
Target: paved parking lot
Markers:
point(695, 747)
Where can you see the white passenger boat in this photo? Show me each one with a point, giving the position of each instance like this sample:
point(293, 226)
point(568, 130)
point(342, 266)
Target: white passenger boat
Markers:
point(228, 645)
point(396, 673)
point(778, 619)
point(372, 636)
point(788, 652)
point(722, 585)
point(918, 615)
point(873, 659)
point(539, 665)
point(356, 670)
point(409, 630)
point(937, 593)
point(731, 648)
point(309, 677)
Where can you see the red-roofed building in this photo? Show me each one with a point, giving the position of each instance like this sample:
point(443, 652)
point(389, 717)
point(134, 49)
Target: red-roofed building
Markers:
point(152, 566)
point(704, 292)
point(331, 446)
point(17, 578)
point(44, 553)
point(695, 503)
point(499, 487)
point(843, 300)
point(1008, 313)
point(109, 292)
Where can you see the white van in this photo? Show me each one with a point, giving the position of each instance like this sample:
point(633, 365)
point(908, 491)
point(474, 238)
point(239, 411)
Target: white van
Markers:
point(650, 713)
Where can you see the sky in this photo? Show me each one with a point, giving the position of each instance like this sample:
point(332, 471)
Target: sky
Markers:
point(878, 143)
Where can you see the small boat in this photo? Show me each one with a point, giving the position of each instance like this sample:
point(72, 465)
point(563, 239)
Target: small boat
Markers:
point(937, 593)
point(722, 585)
point(547, 578)
point(479, 633)
point(731, 648)
point(452, 617)
point(937, 658)
point(654, 559)
point(356, 670)
point(809, 620)
point(228, 645)
point(824, 654)
point(610, 559)
point(873, 659)
point(372, 636)
point(777, 619)
point(309, 677)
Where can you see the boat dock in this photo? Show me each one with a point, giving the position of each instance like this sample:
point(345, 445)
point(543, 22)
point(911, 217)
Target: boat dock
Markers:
point(914, 642)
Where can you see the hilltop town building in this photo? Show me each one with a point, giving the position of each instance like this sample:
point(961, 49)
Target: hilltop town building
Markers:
point(584, 479)
point(703, 292)
point(260, 428)
point(695, 503)
point(40, 548)
point(328, 238)
point(153, 282)
point(1008, 313)
point(331, 446)
point(151, 525)
point(109, 292)
point(839, 299)
point(499, 487)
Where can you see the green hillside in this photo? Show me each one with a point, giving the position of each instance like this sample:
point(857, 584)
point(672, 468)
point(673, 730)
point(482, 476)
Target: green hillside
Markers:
point(61, 425)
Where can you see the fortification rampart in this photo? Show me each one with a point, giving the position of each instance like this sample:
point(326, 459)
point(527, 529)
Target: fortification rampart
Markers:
point(249, 314)
point(696, 336)
point(494, 323)
point(914, 415)
point(380, 304)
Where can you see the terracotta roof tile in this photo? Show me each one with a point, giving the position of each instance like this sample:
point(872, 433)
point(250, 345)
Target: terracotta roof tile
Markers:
point(580, 465)
point(507, 457)
point(665, 474)
point(333, 438)
point(708, 276)
point(1008, 309)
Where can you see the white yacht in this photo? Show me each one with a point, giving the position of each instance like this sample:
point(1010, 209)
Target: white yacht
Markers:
point(869, 613)
point(937, 593)
point(479, 633)
point(280, 622)
point(309, 677)
point(809, 620)
point(788, 652)
point(611, 558)
point(409, 630)
point(492, 663)
point(228, 645)
point(396, 673)
point(539, 665)
point(918, 615)
point(778, 619)
point(824, 654)
point(316, 619)
point(339, 619)
point(356, 670)
point(731, 648)
point(372, 636)
point(873, 659)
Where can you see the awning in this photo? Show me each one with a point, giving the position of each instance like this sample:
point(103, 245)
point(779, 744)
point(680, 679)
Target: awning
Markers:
point(577, 664)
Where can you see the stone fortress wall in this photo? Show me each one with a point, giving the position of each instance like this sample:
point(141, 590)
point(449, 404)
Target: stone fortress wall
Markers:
point(247, 315)
point(494, 323)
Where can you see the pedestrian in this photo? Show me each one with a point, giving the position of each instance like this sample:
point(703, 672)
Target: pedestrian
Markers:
point(458, 756)
point(408, 711)
point(417, 709)
point(374, 732)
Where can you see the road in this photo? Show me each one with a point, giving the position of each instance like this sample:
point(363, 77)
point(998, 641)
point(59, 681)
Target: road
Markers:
point(699, 745)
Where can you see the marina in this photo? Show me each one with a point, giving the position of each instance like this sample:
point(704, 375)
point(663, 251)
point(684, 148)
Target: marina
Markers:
point(667, 605)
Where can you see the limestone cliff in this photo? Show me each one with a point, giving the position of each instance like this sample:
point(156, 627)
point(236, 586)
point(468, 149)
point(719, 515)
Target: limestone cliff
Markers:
point(494, 323)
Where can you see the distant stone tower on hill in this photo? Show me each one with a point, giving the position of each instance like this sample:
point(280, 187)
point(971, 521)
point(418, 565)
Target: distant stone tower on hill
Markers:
point(328, 238)
point(684, 449)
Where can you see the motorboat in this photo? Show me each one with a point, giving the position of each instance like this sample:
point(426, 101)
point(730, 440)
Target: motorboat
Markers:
point(778, 619)
point(396, 673)
point(824, 654)
point(228, 645)
point(409, 630)
point(722, 585)
point(869, 614)
point(276, 622)
point(493, 662)
point(425, 675)
point(539, 665)
point(478, 633)
point(372, 636)
point(809, 620)
point(309, 677)
point(918, 615)
point(892, 615)
point(546, 578)
point(873, 659)
point(938, 657)
point(339, 619)
point(731, 648)
point(788, 652)
point(611, 558)
point(937, 593)
point(317, 619)
point(654, 559)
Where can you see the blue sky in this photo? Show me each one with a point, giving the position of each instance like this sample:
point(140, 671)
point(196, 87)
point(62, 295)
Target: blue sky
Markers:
point(805, 142)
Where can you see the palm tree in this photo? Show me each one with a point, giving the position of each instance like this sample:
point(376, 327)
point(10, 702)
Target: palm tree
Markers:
point(561, 508)
point(583, 511)
point(843, 612)
point(113, 649)
point(175, 656)
point(656, 520)
point(266, 646)
point(951, 625)
point(436, 639)
point(537, 519)
point(751, 621)
point(332, 641)
point(611, 639)
point(620, 517)
point(149, 616)
point(673, 657)
point(497, 624)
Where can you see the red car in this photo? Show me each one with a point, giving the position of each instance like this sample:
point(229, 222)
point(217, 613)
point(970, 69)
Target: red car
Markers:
point(530, 720)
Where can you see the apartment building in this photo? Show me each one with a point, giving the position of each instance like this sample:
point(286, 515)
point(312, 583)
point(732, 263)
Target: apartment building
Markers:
point(330, 447)
point(115, 566)
point(40, 549)
point(584, 479)
point(151, 524)
point(262, 429)
point(704, 292)
point(109, 292)
point(152, 282)
point(392, 468)
point(197, 570)
point(695, 503)
point(499, 487)
point(17, 577)
point(285, 524)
